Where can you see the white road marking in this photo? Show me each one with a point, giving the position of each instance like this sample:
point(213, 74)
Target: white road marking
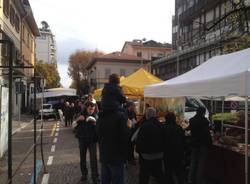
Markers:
point(57, 129)
point(56, 134)
point(50, 160)
point(53, 148)
point(45, 179)
point(55, 140)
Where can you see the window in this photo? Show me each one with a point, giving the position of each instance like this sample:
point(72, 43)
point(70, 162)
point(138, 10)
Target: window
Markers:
point(6, 7)
point(139, 54)
point(23, 36)
point(12, 15)
point(107, 73)
point(28, 40)
point(17, 23)
point(122, 72)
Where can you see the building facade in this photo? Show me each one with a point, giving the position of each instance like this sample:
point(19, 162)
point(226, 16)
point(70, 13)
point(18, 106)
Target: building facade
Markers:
point(149, 50)
point(18, 25)
point(122, 64)
point(46, 45)
point(202, 29)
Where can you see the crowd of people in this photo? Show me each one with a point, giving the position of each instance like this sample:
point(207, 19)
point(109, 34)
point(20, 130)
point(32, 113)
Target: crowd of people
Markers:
point(160, 146)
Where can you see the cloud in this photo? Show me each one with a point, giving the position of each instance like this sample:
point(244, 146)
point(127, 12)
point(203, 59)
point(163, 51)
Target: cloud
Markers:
point(66, 47)
point(105, 25)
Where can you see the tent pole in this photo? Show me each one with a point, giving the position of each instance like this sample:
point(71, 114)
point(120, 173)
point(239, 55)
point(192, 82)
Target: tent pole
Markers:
point(222, 121)
point(246, 140)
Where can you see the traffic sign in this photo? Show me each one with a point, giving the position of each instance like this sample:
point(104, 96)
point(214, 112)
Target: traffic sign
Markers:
point(234, 105)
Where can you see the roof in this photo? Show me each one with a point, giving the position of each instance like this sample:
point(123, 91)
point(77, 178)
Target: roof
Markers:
point(224, 75)
point(149, 44)
point(117, 57)
point(26, 13)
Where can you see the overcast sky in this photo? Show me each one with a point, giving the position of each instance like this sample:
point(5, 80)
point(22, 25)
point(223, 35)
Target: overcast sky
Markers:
point(102, 24)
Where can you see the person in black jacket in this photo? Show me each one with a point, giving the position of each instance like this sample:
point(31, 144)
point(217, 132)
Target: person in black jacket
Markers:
point(200, 140)
point(85, 131)
point(174, 149)
point(113, 136)
point(132, 117)
point(149, 145)
point(67, 112)
point(112, 94)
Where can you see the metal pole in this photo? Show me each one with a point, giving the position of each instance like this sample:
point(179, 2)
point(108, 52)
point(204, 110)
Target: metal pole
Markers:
point(35, 86)
point(10, 114)
point(42, 155)
point(19, 105)
point(222, 121)
point(246, 140)
point(178, 31)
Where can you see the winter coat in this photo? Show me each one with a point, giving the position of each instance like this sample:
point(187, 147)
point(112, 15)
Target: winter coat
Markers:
point(174, 143)
point(200, 134)
point(113, 137)
point(86, 131)
point(112, 97)
point(150, 137)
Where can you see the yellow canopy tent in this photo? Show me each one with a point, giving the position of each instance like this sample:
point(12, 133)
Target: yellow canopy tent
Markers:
point(133, 85)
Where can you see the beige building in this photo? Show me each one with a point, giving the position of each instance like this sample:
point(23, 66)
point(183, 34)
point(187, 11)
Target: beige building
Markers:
point(149, 50)
point(122, 64)
point(18, 25)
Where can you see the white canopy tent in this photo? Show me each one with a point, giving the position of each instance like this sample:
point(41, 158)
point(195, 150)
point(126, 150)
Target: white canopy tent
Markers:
point(224, 75)
point(56, 92)
point(220, 76)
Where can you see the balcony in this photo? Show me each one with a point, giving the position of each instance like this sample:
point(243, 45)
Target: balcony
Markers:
point(198, 8)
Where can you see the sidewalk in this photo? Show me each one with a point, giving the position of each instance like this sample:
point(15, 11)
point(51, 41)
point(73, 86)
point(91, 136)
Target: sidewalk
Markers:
point(17, 125)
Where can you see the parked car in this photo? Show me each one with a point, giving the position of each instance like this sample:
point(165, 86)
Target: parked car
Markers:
point(47, 112)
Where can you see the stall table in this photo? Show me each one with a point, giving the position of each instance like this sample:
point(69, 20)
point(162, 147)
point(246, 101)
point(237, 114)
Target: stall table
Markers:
point(225, 165)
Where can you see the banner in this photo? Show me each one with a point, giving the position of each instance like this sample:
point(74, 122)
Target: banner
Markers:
point(4, 120)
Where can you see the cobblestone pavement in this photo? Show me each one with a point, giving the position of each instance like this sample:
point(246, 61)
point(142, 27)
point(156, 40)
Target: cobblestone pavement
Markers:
point(66, 168)
point(61, 155)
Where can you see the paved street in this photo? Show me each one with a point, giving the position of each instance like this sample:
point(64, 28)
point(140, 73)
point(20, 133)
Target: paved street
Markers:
point(61, 157)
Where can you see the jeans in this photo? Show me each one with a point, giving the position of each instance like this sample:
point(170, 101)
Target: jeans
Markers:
point(151, 168)
point(197, 166)
point(93, 160)
point(112, 173)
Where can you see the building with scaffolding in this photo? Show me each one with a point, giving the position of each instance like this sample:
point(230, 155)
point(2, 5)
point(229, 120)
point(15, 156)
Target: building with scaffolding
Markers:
point(202, 29)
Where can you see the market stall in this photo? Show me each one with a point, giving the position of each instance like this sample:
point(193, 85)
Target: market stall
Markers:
point(133, 85)
point(220, 76)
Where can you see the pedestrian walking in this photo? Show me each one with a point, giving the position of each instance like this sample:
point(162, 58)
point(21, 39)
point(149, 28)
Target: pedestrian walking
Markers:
point(149, 145)
point(85, 131)
point(113, 139)
point(92, 100)
point(132, 117)
point(200, 140)
point(71, 114)
point(174, 150)
point(66, 113)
